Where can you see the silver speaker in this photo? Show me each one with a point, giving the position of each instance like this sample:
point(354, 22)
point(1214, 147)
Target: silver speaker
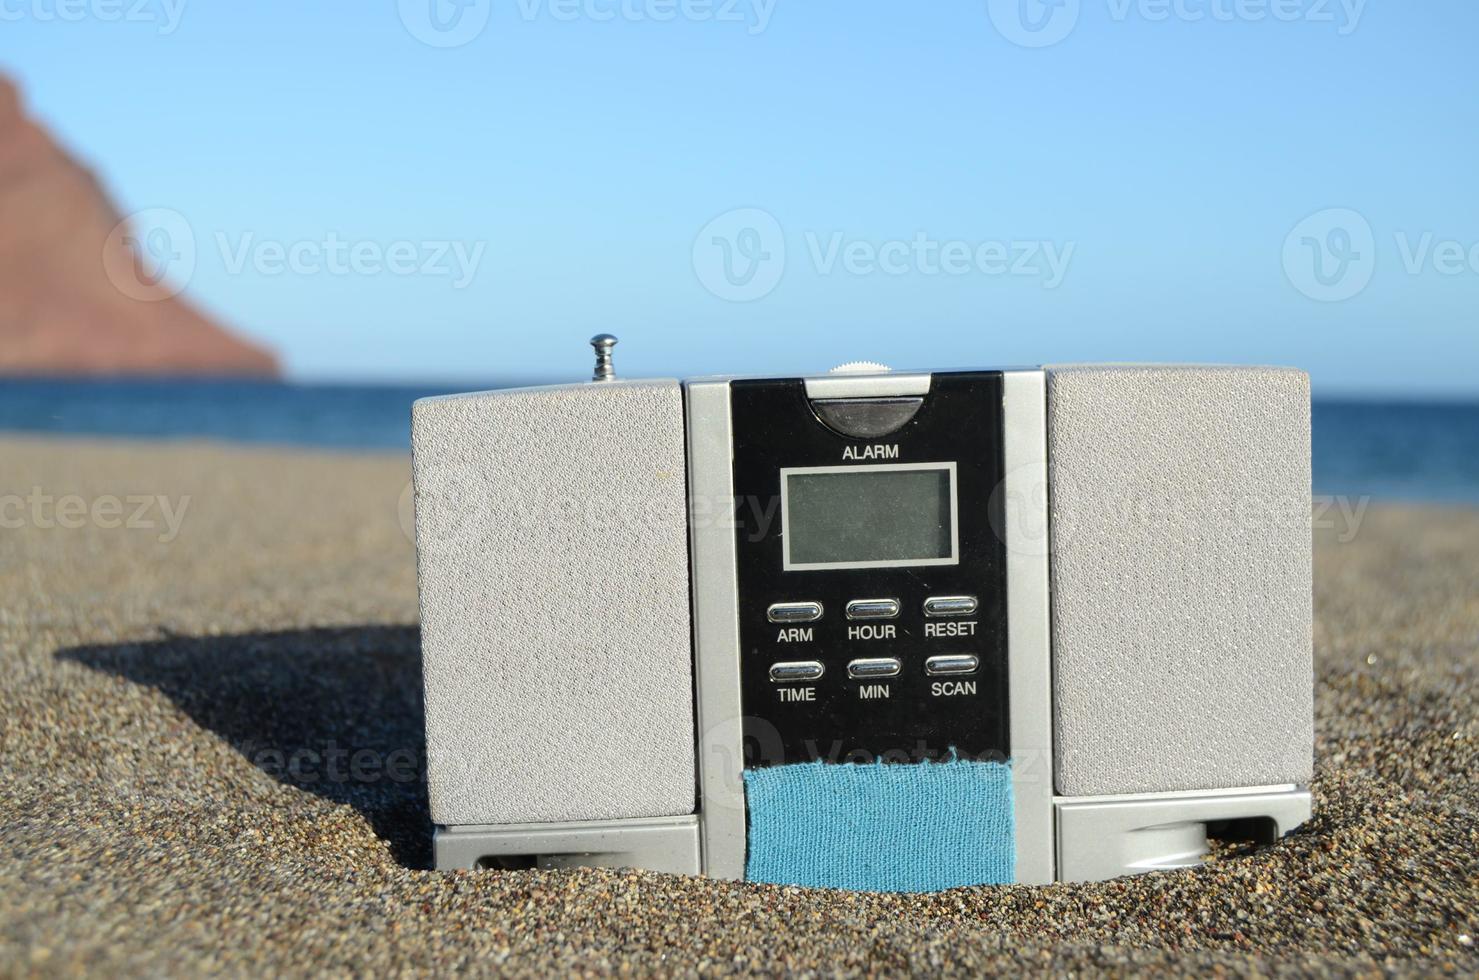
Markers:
point(552, 544)
point(1181, 578)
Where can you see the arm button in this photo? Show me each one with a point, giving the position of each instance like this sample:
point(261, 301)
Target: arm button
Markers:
point(794, 612)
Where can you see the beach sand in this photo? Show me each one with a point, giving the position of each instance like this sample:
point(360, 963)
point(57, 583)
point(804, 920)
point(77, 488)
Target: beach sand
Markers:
point(157, 679)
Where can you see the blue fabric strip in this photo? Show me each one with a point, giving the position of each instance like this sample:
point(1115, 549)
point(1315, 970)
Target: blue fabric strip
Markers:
point(914, 827)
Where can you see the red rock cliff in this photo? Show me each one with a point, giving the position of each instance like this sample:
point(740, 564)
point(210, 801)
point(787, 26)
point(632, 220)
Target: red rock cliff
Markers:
point(73, 299)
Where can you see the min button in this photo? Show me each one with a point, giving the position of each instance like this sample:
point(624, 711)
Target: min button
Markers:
point(873, 667)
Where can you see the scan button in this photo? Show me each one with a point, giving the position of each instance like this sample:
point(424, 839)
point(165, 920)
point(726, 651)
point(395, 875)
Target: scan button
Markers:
point(951, 664)
point(794, 612)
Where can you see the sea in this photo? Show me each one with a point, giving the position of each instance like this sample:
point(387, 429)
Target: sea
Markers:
point(1417, 451)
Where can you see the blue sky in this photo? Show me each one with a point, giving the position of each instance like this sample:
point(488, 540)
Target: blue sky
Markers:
point(401, 190)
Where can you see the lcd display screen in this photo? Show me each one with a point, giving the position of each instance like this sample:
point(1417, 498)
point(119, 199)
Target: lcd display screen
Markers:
point(869, 516)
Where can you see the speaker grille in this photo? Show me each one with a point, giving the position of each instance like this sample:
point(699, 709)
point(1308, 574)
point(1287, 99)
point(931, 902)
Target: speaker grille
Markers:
point(1180, 569)
point(553, 550)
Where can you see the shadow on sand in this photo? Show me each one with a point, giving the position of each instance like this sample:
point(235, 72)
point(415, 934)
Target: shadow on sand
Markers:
point(336, 712)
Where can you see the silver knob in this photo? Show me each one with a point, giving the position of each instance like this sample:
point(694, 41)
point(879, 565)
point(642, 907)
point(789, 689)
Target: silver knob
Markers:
point(860, 367)
point(603, 342)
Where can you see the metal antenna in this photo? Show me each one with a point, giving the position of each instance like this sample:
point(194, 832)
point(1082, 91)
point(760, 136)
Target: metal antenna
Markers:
point(603, 342)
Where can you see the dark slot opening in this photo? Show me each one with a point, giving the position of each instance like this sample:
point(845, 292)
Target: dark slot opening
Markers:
point(1243, 834)
point(508, 862)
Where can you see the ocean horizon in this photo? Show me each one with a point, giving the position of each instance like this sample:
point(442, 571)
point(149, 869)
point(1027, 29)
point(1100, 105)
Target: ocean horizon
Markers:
point(1383, 448)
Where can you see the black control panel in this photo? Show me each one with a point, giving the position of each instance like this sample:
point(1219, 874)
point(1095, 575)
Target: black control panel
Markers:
point(872, 579)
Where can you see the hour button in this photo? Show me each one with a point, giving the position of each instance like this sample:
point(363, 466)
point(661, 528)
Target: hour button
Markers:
point(873, 609)
point(794, 612)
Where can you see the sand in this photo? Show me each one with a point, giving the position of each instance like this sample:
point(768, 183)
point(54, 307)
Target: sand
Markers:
point(156, 683)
